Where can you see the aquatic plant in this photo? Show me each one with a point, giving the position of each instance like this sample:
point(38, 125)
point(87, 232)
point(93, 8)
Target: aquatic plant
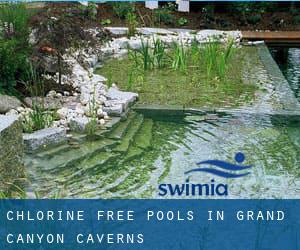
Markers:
point(159, 53)
point(146, 55)
point(39, 117)
point(216, 58)
point(131, 21)
point(92, 126)
point(180, 57)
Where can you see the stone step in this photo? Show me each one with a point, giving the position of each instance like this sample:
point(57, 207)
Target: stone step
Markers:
point(132, 153)
point(72, 157)
point(91, 164)
point(144, 136)
point(122, 128)
point(51, 152)
point(128, 138)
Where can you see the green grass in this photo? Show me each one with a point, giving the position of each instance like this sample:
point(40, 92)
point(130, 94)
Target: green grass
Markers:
point(194, 86)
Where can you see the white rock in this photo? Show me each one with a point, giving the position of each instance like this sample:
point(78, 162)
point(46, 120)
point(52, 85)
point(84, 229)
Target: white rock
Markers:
point(79, 111)
point(102, 121)
point(12, 112)
point(20, 109)
point(62, 113)
point(51, 93)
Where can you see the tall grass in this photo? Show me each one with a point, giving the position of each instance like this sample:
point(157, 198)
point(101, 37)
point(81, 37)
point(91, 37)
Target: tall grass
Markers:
point(159, 53)
point(216, 58)
point(179, 58)
point(39, 117)
point(14, 18)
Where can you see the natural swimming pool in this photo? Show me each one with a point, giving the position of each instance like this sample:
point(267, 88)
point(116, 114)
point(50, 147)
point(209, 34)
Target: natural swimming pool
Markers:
point(144, 151)
point(138, 154)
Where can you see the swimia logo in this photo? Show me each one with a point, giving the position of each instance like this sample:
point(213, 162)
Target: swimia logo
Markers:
point(215, 167)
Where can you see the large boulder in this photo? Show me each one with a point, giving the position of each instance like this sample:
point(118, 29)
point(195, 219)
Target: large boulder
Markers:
point(44, 137)
point(8, 102)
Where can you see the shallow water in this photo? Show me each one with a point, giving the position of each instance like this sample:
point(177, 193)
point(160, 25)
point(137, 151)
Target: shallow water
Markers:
point(156, 150)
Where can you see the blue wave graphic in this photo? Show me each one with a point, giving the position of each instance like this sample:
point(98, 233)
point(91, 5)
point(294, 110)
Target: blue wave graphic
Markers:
point(225, 165)
point(217, 172)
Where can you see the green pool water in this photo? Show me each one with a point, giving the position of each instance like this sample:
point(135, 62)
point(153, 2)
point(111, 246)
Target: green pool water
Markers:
point(137, 155)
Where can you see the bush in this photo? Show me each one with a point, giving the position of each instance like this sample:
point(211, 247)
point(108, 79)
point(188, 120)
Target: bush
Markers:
point(297, 19)
point(13, 64)
point(254, 19)
point(164, 15)
point(14, 45)
point(122, 9)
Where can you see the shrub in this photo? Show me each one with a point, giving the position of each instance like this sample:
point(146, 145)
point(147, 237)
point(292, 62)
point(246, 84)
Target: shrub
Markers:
point(182, 21)
point(122, 9)
point(297, 19)
point(254, 19)
point(14, 45)
point(164, 15)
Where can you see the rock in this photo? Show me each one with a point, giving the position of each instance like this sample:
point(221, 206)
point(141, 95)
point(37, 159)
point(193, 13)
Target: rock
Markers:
point(7, 103)
point(11, 151)
point(102, 121)
point(121, 97)
point(159, 31)
point(79, 110)
point(12, 112)
point(117, 30)
point(78, 124)
point(20, 109)
point(47, 102)
point(115, 110)
point(135, 44)
point(51, 93)
point(44, 138)
point(62, 113)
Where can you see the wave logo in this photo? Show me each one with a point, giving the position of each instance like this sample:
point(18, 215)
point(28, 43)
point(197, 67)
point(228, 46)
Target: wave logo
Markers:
point(224, 169)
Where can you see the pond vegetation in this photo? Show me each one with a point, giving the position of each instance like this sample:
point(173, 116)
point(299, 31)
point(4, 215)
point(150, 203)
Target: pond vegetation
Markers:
point(198, 75)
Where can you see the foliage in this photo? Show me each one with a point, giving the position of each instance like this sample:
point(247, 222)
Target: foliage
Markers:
point(254, 18)
point(92, 126)
point(216, 58)
point(38, 118)
point(182, 21)
point(193, 87)
point(92, 11)
point(131, 20)
point(297, 19)
point(14, 45)
point(159, 53)
point(164, 15)
point(105, 22)
point(122, 9)
point(180, 57)
point(89, 11)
